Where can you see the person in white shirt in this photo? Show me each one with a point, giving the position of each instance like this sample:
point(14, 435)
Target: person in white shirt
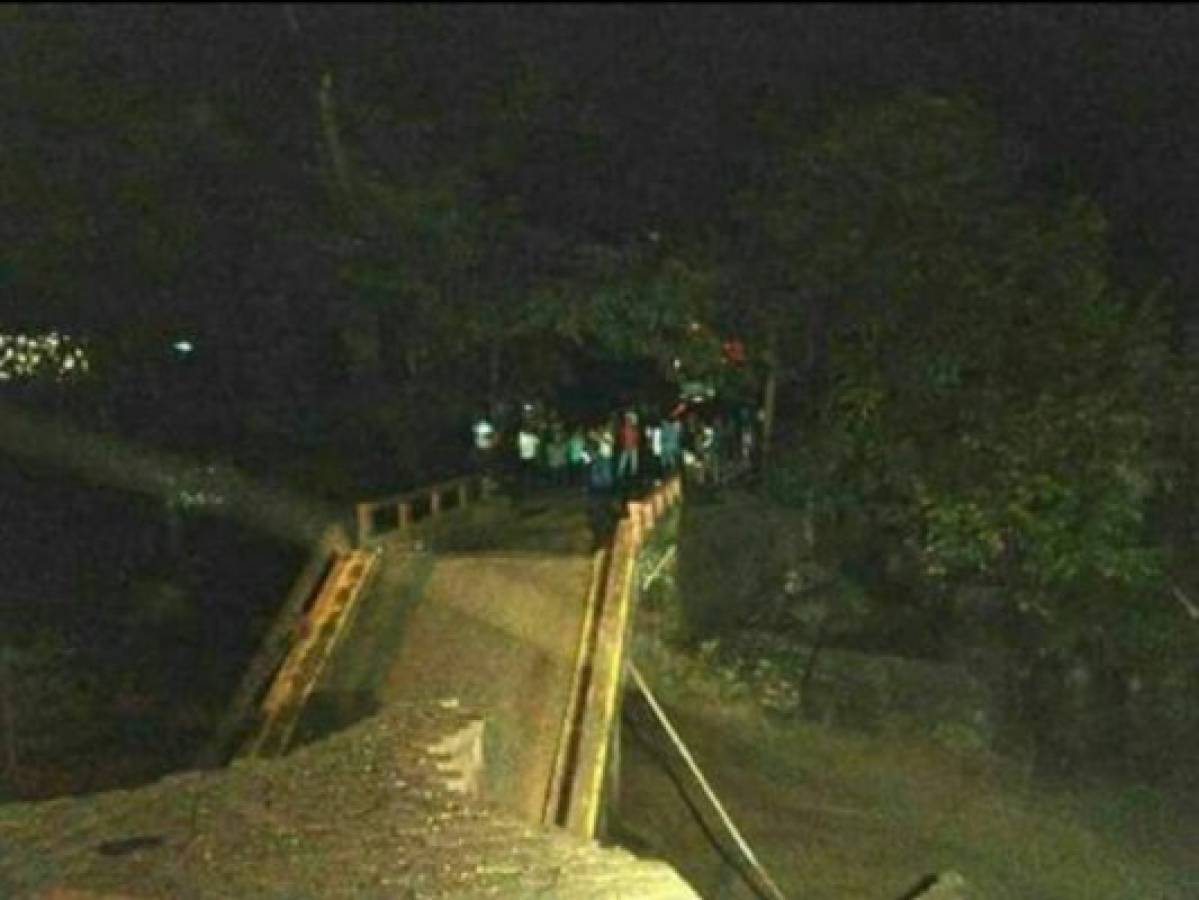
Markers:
point(603, 445)
point(484, 444)
point(528, 444)
point(653, 439)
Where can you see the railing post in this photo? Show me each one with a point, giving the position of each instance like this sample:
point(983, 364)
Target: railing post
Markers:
point(363, 514)
point(434, 501)
point(463, 493)
point(404, 515)
point(637, 520)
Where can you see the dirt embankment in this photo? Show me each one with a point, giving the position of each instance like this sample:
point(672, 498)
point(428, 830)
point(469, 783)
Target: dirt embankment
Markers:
point(876, 797)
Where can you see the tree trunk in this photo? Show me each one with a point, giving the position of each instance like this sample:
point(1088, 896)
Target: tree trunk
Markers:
point(8, 716)
point(333, 147)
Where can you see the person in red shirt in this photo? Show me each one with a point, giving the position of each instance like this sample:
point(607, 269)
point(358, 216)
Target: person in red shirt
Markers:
point(629, 440)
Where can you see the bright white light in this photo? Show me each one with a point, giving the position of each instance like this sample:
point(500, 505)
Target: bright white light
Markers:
point(183, 346)
point(53, 355)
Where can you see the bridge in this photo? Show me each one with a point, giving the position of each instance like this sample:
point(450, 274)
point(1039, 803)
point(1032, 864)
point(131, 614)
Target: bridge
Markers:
point(510, 608)
point(519, 610)
point(447, 627)
point(435, 712)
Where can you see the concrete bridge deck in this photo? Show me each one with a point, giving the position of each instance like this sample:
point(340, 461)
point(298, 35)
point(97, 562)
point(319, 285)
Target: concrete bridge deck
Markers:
point(484, 606)
point(516, 609)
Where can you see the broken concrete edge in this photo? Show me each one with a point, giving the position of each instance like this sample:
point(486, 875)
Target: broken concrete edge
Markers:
point(459, 758)
point(402, 766)
point(948, 885)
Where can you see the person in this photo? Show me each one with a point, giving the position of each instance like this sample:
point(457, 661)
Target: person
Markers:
point(577, 457)
point(484, 444)
point(653, 439)
point(724, 441)
point(602, 448)
point(556, 456)
point(528, 442)
point(709, 457)
point(671, 432)
point(629, 440)
point(600, 512)
point(747, 436)
point(714, 450)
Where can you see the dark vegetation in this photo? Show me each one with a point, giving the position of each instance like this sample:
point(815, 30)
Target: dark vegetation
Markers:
point(969, 337)
point(120, 650)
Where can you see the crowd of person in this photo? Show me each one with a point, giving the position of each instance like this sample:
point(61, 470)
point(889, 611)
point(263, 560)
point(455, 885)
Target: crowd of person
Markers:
point(615, 454)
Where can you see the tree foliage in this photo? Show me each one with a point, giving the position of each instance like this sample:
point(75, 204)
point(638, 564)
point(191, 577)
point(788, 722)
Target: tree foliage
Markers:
point(444, 249)
point(636, 301)
point(991, 409)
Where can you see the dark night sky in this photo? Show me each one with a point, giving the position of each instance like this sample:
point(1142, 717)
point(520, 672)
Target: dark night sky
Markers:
point(1106, 91)
point(1103, 93)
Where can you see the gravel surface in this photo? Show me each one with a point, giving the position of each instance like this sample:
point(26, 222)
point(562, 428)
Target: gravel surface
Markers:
point(362, 814)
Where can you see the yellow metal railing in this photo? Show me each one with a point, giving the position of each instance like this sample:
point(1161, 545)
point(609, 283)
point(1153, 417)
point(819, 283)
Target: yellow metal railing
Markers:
point(280, 638)
point(576, 788)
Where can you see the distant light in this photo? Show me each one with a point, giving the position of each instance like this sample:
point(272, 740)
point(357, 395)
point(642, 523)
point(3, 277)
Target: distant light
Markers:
point(183, 346)
point(51, 355)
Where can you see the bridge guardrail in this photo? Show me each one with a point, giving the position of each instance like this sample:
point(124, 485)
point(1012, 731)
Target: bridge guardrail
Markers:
point(333, 544)
point(578, 781)
point(413, 506)
point(280, 638)
point(325, 623)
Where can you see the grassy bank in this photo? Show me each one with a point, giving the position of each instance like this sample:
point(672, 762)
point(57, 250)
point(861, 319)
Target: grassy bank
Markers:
point(889, 778)
point(838, 813)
